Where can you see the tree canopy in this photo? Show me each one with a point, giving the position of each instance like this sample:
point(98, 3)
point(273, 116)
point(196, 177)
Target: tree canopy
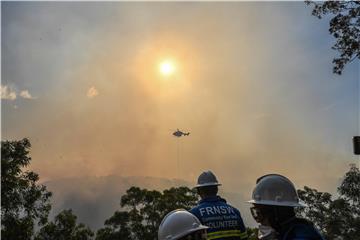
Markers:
point(64, 227)
point(337, 218)
point(143, 211)
point(344, 26)
point(24, 202)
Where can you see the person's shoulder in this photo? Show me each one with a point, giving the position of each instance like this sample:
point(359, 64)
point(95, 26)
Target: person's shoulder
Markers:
point(224, 202)
point(234, 208)
point(196, 208)
point(302, 230)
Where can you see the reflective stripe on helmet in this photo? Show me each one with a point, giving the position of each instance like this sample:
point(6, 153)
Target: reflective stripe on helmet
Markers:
point(228, 233)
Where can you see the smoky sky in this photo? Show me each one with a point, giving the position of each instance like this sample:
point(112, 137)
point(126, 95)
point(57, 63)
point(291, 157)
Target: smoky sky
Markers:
point(253, 86)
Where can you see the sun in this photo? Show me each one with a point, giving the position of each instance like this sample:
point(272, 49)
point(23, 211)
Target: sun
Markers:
point(167, 68)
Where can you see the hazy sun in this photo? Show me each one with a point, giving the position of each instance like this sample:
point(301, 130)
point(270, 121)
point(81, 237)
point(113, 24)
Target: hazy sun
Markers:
point(167, 68)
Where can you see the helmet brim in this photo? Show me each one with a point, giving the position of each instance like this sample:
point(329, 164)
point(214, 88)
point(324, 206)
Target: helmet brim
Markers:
point(207, 185)
point(275, 203)
point(200, 227)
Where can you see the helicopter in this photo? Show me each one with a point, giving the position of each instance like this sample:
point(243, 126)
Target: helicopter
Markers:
point(179, 133)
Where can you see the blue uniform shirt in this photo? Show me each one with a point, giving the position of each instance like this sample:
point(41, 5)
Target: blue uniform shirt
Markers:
point(223, 220)
point(300, 229)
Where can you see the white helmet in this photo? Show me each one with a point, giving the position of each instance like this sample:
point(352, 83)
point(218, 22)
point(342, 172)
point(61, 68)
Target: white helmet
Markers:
point(277, 190)
point(177, 224)
point(207, 179)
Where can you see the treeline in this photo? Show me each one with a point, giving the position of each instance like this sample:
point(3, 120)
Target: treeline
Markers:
point(25, 206)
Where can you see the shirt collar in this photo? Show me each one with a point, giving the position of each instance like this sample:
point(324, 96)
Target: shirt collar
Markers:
point(212, 199)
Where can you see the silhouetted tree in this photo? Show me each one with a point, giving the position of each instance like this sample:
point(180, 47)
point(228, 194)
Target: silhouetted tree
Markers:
point(24, 202)
point(344, 26)
point(143, 212)
point(339, 218)
point(64, 227)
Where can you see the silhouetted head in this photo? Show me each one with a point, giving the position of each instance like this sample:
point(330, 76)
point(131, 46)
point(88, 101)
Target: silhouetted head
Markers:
point(207, 185)
point(209, 191)
point(273, 216)
point(274, 199)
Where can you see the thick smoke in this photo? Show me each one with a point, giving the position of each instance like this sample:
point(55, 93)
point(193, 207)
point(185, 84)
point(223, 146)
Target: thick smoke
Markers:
point(253, 90)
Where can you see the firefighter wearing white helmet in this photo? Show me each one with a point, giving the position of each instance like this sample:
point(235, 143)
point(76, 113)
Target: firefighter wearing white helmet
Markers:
point(274, 199)
point(181, 225)
point(224, 221)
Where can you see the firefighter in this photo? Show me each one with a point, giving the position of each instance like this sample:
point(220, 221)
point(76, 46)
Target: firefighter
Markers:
point(274, 199)
point(223, 220)
point(181, 225)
